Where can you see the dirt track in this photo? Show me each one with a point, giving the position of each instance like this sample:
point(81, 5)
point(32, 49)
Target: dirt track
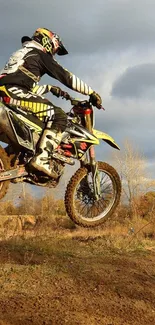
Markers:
point(75, 282)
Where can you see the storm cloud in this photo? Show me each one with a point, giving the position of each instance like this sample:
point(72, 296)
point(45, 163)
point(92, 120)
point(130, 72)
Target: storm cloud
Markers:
point(135, 81)
point(111, 46)
point(86, 26)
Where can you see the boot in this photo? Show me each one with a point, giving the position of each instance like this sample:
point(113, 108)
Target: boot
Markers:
point(48, 143)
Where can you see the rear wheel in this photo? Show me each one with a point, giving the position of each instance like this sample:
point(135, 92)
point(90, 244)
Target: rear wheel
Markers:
point(82, 206)
point(4, 165)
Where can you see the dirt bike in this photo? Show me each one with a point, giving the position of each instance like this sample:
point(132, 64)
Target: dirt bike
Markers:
point(93, 192)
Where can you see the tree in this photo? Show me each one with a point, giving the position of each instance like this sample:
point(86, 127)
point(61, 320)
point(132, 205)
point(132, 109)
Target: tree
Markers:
point(147, 205)
point(131, 165)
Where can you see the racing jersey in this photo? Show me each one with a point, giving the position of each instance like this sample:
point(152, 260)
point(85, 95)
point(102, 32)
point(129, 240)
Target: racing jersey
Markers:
point(27, 65)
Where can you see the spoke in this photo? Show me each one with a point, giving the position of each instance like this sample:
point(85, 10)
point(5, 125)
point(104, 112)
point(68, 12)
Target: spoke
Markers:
point(89, 209)
point(92, 215)
point(108, 188)
point(102, 204)
point(105, 185)
point(96, 207)
point(80, 204)
point(83, 209)
point(104, 177)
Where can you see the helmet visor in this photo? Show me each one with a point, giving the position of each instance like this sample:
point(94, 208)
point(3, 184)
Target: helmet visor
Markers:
point(61, 50)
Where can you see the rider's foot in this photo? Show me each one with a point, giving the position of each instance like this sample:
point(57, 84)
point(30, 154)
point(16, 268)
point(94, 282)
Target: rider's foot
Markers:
point(42, 164)
point(41, 161)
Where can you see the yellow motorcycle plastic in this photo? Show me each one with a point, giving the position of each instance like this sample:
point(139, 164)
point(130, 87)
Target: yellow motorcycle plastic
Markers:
point(105, 137)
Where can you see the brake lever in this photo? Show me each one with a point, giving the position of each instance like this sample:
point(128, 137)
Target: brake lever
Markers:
point(101, 107)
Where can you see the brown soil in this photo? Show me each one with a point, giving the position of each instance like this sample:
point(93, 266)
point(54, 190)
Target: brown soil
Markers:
point(76, 282)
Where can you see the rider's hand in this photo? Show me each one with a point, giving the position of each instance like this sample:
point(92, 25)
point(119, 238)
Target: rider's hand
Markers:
point(56, 91)
point(59, 92)
point(65, 95)
point(96, 100)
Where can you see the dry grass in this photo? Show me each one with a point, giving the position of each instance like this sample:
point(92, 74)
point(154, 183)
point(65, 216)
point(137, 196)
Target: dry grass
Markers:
point(135, 234)
point(53, 272)
point(46, 218)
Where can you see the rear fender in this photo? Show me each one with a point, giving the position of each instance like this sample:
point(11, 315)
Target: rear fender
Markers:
point(105, 137)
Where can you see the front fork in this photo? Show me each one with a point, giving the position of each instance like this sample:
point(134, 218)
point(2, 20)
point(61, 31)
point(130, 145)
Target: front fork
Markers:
point(93, 163)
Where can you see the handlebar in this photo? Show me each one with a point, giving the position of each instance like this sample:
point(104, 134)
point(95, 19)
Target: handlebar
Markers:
point(76, 102)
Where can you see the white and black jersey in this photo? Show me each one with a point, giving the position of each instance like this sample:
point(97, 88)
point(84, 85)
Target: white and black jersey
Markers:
point(37, 63)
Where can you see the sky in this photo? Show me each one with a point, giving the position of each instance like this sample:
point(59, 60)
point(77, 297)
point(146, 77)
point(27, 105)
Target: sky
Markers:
point(111, 46)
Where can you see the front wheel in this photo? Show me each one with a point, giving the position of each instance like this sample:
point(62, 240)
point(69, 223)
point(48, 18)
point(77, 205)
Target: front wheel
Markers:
point(82, 206)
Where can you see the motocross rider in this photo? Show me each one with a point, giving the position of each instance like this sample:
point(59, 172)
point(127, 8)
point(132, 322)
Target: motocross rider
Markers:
point(19, 87)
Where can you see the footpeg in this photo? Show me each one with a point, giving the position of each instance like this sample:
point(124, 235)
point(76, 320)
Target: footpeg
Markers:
point(13, 173)
point(66, 160)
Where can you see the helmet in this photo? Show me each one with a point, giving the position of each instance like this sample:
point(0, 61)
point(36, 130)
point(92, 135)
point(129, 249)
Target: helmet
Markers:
point(50, 41)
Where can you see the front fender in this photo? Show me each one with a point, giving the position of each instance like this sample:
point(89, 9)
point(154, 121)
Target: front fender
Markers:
point(105, 137)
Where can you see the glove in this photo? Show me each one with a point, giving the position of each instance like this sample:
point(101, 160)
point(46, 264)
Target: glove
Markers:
point(56, 91)
point(96, 100)
point(59, 92)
